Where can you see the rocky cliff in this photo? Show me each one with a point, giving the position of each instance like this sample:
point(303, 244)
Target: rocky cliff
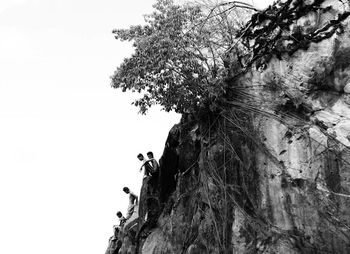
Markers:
point(268, 171)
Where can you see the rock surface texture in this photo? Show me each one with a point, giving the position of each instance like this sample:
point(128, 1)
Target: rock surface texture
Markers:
point(271, 172)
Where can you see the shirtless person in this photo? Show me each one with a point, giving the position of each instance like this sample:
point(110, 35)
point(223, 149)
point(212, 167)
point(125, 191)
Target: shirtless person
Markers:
point(146, 165)
point(133, 201)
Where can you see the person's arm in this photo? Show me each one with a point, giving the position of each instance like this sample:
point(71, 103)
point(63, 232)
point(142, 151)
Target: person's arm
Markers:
point(136, 198)
point(143, 165)
point(150, 162)
point(155, 165)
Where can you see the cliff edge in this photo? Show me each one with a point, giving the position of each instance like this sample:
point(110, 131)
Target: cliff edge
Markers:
point(269, 170)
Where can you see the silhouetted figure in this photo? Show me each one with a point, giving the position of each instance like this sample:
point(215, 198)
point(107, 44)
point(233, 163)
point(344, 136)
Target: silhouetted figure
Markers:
point(153, 182)
point(146, 165)
point(133, 201)
point(114, 243)
point(116, 230)
point(154, 163)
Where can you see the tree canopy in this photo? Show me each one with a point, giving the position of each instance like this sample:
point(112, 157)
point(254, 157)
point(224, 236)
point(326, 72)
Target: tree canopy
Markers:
point(179, 56)
point(186, 54)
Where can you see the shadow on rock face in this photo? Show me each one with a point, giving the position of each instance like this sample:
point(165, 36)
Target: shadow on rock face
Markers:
point(197, 249)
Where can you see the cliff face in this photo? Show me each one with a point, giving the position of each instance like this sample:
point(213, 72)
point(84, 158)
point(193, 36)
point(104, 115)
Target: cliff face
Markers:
point(268, 174)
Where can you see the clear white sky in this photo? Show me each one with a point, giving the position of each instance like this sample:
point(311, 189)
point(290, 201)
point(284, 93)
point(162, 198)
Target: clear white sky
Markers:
point(68, 141)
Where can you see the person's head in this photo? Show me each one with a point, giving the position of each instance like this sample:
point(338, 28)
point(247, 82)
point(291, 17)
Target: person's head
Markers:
point(126, 190)
point(150, 155)
point(140, 157)
point(119, 214)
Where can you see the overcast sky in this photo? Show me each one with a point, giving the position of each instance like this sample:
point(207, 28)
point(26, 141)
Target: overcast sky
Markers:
point(68, 141)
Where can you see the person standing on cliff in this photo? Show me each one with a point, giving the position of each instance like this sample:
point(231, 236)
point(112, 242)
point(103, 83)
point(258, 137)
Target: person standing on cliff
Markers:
point(133, 202)
point(155, 173)
point(146, 165)
point(153, 161)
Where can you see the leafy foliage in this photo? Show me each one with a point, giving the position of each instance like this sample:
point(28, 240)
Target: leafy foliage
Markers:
point(274, 32)
point(186, 54)
point(179, 57)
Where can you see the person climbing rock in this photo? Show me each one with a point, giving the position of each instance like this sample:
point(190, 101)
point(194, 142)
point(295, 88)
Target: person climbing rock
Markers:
point(114, 243)
point(154, 175)
point(116, 230)
point(122, 219)
point(153, 161)
point(133, 202)
point(146, 165)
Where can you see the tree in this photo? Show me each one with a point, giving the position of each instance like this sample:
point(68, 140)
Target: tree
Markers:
point(179, 58)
